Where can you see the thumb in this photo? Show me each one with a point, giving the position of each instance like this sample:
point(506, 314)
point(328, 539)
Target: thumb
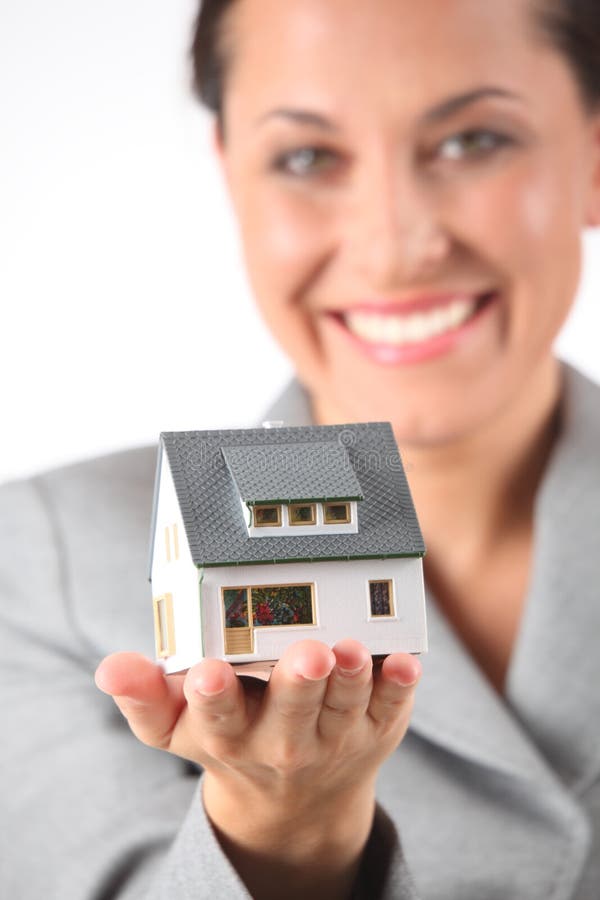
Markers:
point(150, 702)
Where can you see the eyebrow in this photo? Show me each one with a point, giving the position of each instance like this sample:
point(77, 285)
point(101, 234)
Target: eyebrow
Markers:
point(437, 113)
point(447, 108)
point(301, 116)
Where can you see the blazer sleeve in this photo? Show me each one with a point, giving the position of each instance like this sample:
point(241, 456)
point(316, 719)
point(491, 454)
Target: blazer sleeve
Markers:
point(88, 811)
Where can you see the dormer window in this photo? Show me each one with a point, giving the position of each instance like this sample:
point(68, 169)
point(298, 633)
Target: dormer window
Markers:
point(267, 516)
point(302, 514)
point(336, 513)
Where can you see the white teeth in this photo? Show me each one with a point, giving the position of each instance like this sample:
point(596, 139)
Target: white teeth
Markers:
point(395, 329)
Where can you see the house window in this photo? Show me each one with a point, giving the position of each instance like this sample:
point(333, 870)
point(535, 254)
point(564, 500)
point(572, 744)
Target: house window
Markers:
point(164, 626)
point(267, 515)
point(336, 513)
point(283, 604)
point(270, 604)
point(302, 514)
point(381, 598)
point(168, 530)
point(235, 602)
point(237, 632)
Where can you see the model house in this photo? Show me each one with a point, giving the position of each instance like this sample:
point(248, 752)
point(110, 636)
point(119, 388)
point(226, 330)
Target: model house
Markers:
point(264, 536)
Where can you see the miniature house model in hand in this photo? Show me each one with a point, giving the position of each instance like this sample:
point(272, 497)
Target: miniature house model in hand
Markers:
point(264, 536)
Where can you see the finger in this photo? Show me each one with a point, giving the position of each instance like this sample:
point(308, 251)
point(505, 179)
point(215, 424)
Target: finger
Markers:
point(394, 687)
point(296, 689)
point(216, 701)
point(150, 702)
point(348, 689)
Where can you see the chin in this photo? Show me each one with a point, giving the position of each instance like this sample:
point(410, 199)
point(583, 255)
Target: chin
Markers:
point(421, 414)
point(419, 427)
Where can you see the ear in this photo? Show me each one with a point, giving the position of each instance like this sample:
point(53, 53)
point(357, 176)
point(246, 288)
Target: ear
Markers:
point(217, 138)
point(218, 146)
point(592, 219)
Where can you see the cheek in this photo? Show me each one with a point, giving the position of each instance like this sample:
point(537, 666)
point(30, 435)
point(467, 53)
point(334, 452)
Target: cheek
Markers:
point(527, 228)
point(286, 241)
point(546, 250)
point(287, 244)
point(509, 220)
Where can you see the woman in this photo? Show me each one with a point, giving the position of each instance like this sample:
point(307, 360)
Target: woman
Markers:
point(411, 182)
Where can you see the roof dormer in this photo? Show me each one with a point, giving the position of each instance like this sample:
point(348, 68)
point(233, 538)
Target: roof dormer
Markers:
point(296, 489)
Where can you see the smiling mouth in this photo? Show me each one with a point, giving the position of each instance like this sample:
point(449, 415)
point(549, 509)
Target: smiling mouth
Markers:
point(396, 329)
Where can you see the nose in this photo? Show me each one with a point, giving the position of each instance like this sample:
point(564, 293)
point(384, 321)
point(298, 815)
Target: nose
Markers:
point(395, 235)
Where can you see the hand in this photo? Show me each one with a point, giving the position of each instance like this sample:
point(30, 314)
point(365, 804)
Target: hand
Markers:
point(301, 754)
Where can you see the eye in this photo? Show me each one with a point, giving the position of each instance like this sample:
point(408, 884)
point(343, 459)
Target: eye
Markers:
point(472, 144)
point(305, 161)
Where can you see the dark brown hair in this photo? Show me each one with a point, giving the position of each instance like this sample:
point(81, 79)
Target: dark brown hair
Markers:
point(208, 55)
point(572, 26)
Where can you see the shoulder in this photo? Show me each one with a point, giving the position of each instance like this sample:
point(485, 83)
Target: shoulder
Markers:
point(127, 468)
point(78, 537)
point(125, 475)
point(88, 498)
point(580, 414)
point(582, 394)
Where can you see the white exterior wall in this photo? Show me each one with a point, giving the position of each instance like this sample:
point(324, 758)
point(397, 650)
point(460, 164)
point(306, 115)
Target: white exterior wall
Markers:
point(342, 606)
point(178, 577)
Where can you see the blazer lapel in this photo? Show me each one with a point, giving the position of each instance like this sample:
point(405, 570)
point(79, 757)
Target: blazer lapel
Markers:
point(554, 677)
point(458, 709)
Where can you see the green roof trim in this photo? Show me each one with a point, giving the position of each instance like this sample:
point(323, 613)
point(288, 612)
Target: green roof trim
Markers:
point(308, 559)
point(303, 501)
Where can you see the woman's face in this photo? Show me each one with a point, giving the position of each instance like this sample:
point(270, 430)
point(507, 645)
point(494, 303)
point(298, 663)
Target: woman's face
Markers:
point(411, 181)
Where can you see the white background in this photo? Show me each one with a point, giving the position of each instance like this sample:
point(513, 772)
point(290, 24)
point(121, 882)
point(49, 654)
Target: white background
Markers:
point(125, 308)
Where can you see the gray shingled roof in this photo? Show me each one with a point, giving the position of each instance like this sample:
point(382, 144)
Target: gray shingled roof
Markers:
point(271, 473)
point(213, 516)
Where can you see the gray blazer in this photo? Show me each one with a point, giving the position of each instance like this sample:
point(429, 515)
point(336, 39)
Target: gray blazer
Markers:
point(492, 799)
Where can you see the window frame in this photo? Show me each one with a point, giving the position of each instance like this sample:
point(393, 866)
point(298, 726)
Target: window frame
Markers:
point(346, 521)
point(170, 648)
point(276, 524)
point(390, 583)
point(244, 588)
point(311, 506)
point(250, 587)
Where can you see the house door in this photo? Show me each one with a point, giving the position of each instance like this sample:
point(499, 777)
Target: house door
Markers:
point(238, 637)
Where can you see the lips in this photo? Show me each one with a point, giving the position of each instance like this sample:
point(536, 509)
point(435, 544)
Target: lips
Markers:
point(413, 330)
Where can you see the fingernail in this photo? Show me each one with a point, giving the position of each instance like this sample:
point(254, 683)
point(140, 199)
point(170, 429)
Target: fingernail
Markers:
point(349, 672)
point(210, 689)
point(132, 701)
point(405, 683)
point(302, 673)
point(407, 679)
point(308, 677)
point(321, 668)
